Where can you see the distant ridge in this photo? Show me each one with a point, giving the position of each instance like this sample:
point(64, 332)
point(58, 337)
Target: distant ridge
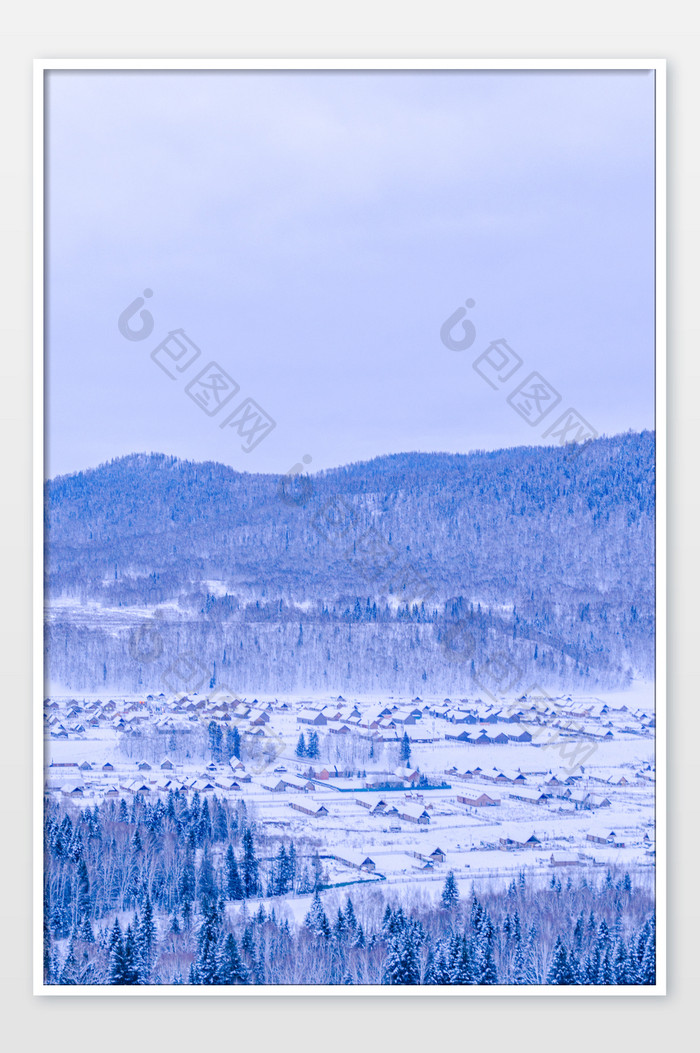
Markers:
point(363, 576)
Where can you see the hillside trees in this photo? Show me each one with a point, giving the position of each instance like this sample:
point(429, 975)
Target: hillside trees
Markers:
point(406, 573)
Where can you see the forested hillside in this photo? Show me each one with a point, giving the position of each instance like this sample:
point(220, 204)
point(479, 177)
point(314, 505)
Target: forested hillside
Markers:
point(175, 873)
point(412, 572)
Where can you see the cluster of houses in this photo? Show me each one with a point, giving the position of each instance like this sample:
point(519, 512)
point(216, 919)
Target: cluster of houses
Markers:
point(479, 723)
point(363, 862)
point(108, 779)
point(589, 718)
point(383, 724)
point(71, 718)
point(490, 737)
point(570, 786)
point(501, 801)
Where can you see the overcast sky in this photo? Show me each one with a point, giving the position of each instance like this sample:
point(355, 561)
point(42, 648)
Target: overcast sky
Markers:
point(311, 232)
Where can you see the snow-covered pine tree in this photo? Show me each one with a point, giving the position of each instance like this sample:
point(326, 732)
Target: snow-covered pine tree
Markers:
point(560, 971)
point(233, 886)
point(401, 965)
point(316, 920)
point(450, 892)
point(405, 752)
point(230, 968)
point(249, 865)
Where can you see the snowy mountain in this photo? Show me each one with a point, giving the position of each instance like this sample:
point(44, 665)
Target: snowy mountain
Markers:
point(412, 572)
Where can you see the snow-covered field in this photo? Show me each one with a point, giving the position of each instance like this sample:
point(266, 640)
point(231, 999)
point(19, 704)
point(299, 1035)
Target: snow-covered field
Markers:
point(596, 769)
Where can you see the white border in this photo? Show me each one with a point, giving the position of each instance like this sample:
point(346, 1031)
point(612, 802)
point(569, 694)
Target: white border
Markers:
point(41, 66)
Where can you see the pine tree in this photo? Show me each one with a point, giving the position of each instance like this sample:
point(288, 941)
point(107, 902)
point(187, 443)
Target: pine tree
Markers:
point(248, 941)
point(229, 964)
point(531, 971)
point(83, 900)
point(605, 971)
point(204, 831)
point(620, 965)
point(300, 751)
point(130, 957)
point(316, 920)
point(647, 968)
point(85, 932)
point(517, 934)
point(485, 964)
point(459, 960)
point(340, 927)
point(358, 939)
point(220, 826)
point(401, 966)
point(194, 811)
point(405, 752)
point(47, 959)
point(211, 729)
point(518, 964)
point(229, 748)
point(317, 867)
point(146, 939)
point(116, 967)
point(187, 914)
point(69, 971)
point(207, 940)
point(280, 873)
point(249, 867)
point(350, 917)
point(206, 884)
point(560, 971)
point(578, 932)
point(232, 886)
point(437, 970)
point(429, 970)
point(187, 887)
point(175, 922)
point(450, 892)
point(292, 866)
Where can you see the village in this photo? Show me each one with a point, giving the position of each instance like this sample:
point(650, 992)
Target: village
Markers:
point(391, 790)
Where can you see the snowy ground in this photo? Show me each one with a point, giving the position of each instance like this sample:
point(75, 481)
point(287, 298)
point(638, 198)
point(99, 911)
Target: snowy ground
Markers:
point(470, 837)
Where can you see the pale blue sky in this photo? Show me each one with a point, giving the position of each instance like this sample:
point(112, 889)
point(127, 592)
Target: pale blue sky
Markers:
point(311, 232)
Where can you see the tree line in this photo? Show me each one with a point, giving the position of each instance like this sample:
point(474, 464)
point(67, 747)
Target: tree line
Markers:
point(172, 893)
point(363, 577)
